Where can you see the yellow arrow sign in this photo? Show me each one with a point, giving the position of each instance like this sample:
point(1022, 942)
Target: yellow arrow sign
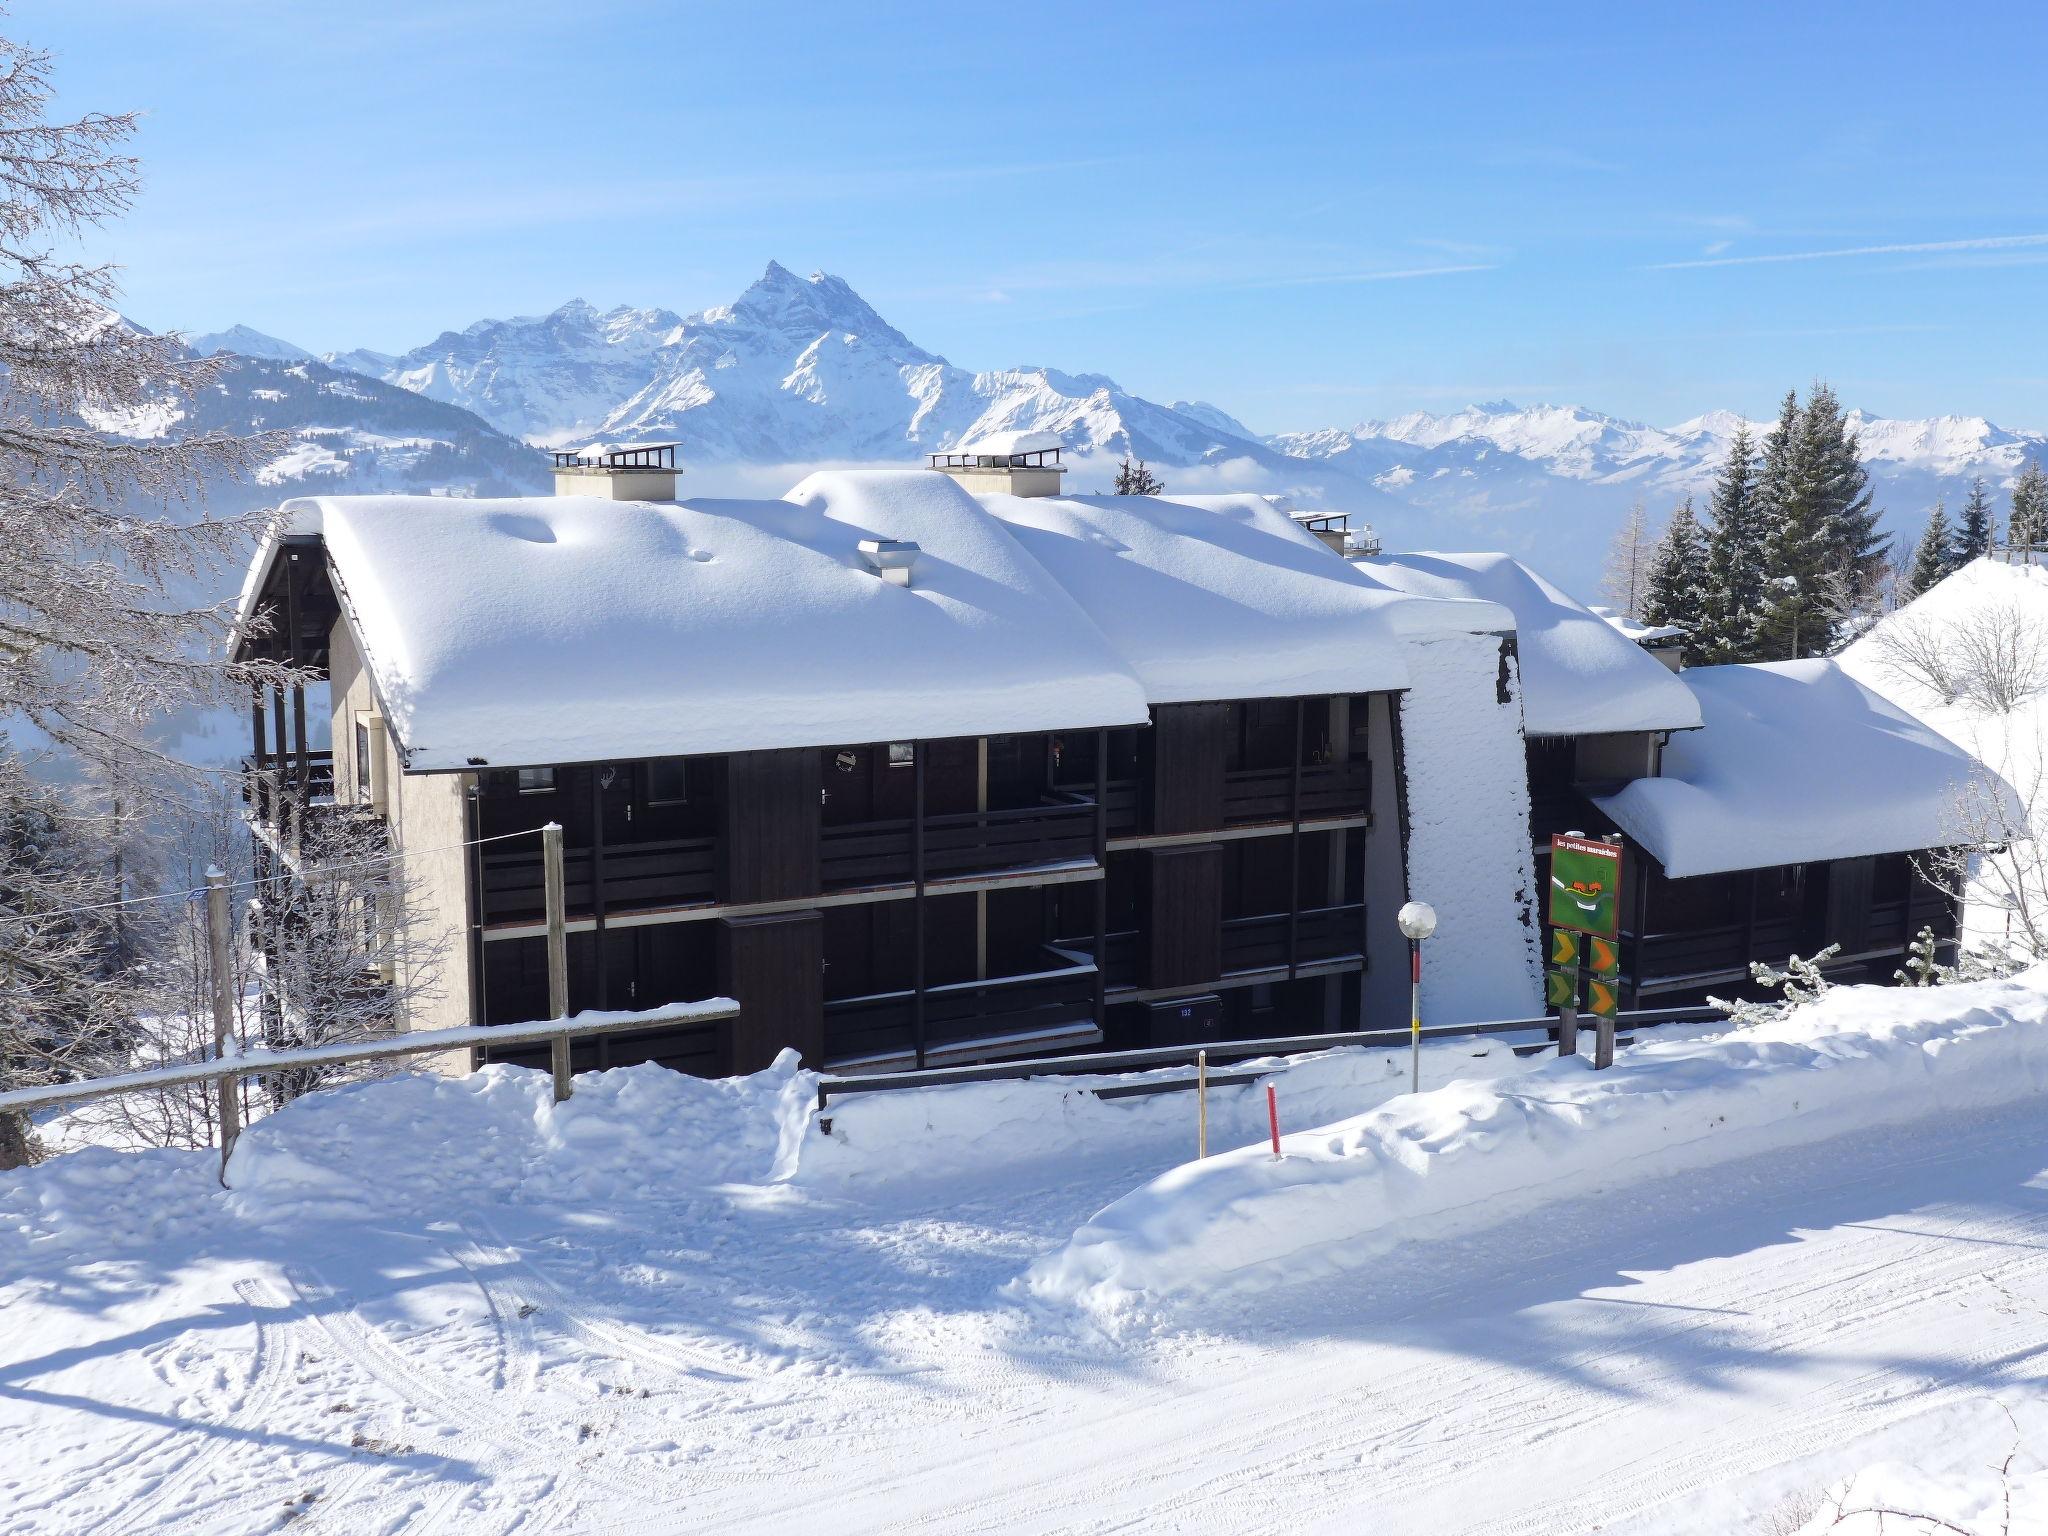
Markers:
point(1603, 955)
point(1603, 997)
point(1564, 947)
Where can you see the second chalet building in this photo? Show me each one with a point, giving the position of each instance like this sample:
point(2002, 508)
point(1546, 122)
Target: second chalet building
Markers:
point(944, 764)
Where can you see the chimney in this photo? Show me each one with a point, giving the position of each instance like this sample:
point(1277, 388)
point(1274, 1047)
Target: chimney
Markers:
point(1008, 463)
point(617, 471)
point(891, 559)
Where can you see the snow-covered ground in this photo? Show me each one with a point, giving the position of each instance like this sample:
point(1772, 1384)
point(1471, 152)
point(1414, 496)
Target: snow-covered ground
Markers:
point(671, 1305)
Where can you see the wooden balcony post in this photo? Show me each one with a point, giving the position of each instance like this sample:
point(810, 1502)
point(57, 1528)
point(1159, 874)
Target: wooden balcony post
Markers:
point(1102, 863)
point(558, 954)
point(1294, 853)
point(917, 755)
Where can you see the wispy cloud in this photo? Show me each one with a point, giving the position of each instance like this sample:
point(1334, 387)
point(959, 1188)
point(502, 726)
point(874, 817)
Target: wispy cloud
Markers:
point(1401, 274)
point(1922, 248)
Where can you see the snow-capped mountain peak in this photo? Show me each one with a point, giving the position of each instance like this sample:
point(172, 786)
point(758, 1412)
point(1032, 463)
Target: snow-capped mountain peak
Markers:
point(246, 342)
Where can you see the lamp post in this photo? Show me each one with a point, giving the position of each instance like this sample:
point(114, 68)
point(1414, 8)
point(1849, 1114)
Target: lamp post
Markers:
point(1417, 921)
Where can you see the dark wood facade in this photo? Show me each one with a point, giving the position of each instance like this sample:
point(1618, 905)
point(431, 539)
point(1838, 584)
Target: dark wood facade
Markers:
point(1683, 938)
point(887, 903)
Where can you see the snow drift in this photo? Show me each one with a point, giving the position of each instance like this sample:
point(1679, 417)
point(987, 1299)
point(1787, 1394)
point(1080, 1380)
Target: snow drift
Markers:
point(1469, 1155)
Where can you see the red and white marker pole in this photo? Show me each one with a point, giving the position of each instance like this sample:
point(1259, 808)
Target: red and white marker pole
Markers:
point(1273, 1117)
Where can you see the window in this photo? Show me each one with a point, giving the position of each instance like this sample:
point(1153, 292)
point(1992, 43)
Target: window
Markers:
point(1262, 997)
point(363, 780)
point(668, 782)
point(902, 754)
point(536, 781)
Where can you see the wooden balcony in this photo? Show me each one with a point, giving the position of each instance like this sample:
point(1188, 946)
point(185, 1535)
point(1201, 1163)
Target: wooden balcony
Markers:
point(881, 853)
point(1681, 961)
point(1255, 795)
point(627, 876)
point(881, 1028)
point(1320, 933)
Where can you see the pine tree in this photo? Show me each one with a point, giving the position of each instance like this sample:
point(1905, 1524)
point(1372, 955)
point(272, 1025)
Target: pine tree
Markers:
point(1974, 531)
point(1933, 556)
point(1136, 479)
point(1823, 553)
point(1676, 591)
point(1853, 519)
point(1733, 601)
point(2027, 528)
point(1626, 577)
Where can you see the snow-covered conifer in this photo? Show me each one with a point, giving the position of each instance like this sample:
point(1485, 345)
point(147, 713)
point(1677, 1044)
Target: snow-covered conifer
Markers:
point(1733, 599)
point(2027, 528)
point(1933, 556)
point(1676, 592)
point(1974, 527)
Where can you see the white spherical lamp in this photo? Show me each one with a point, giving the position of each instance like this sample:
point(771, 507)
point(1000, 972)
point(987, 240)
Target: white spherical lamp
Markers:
point(1417, 920)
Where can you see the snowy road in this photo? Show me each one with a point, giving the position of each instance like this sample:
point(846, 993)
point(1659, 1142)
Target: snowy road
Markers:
point(1702, 1355)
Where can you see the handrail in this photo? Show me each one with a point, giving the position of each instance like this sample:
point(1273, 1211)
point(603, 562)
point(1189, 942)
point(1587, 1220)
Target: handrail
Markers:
point(413, 1042)
point(979, 984)
point(1099, 1062)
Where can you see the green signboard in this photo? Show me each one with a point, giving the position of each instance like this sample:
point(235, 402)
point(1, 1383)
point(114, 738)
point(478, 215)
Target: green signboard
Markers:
point(1585, 885)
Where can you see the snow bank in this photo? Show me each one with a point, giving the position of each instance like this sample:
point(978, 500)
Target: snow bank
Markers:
point(1467, 1156)
point(997, 1127)
point(1580, 675)
point(425, 1141)
point(1797, 762)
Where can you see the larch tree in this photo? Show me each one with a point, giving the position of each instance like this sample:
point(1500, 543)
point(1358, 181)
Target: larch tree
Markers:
point(1676, 591)
point(1933, 556)
point(2027, 527)
point(1733, 601)
point(103, 533)
point(1626, 576)
point(1974, 528)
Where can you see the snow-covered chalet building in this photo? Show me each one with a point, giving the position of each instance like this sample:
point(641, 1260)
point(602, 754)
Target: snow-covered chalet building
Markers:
point(943, 764)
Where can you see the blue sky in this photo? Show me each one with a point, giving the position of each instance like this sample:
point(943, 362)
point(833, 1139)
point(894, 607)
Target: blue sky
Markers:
point(1308, 214)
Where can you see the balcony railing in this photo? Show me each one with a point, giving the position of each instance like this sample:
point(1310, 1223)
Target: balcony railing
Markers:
point(883, 1024)
point(972, 843)
point(1327, 790)
point(637, 876)
point(1321, 933)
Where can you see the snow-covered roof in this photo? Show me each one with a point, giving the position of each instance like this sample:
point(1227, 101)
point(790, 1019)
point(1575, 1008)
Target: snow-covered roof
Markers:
point(1796, 761)
point(1580, 676)
point(565, 629)
point(1641, 634)
point(1213, 597)
point(996, 444)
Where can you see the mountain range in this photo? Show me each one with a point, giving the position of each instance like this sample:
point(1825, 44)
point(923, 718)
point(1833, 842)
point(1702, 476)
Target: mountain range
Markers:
point(799, 371)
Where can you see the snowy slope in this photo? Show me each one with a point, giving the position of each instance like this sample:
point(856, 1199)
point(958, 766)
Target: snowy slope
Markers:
point(436, 1305)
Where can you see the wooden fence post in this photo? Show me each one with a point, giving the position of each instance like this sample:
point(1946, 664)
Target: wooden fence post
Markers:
point(1201, 1104)
point(222, 978)
point(558, 954)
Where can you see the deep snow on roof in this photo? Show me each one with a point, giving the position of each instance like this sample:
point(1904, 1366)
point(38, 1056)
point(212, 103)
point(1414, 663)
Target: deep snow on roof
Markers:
point(1796, 762)
point(1213, 597)
point(1641, 634)
point(1580, 675)
point(564, 629)
point(1018, 441)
